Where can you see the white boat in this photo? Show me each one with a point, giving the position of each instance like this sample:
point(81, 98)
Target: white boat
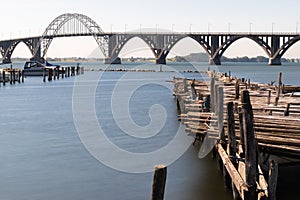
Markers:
point(34, 68)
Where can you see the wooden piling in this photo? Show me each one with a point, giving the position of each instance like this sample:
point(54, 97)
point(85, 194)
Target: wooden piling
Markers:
point(159, 182)
point(3, 77)
point(237, 89)
point(14, 76)
point(68, 71)
point(19, 76)
point(184, 85)
point(44, 74)
point(50, 73)
point(221, 113)
point(11, 77)
point(269, 97)
point(57, 70)
point(54, 73)
point(272, 181)
point(278, 88)
point(212, 93)
point(22, 76)
point(287, 110)
point(63, 71)
point(250, 147)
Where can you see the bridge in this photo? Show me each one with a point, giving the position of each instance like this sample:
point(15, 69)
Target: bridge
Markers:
point(160, 43)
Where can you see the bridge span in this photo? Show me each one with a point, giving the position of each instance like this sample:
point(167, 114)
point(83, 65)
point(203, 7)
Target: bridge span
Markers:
point(160, 43)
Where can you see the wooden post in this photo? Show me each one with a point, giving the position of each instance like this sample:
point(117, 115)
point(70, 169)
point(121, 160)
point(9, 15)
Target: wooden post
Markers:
point(50, 73)
point(54, 74)
point(19, 76)
point(221, 113)
point(57, 70)
point(212, 94)
point(11, 77)
point(44, 74)
point(249, 84)
point(159, 182)
point(77, 69)
point(14, 76)
point(22, 76)
point(272, 181)
point(278, 89)
point(231, 145)
point(251, 163)
point(184, 85)
point(242, 135)
point(237, 89)
point(72, 71)
point(269, 97)
point(231, 133)
point(193, 90)
point(287, 110)
point(68, 71)
point(62, 72)
point(216, 98)
point(3, 77)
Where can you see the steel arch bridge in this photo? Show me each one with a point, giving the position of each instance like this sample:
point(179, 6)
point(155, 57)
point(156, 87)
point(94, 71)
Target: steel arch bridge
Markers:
point(110, 44)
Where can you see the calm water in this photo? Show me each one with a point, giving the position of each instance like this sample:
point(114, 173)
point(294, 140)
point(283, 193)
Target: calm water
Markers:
point(42, 156)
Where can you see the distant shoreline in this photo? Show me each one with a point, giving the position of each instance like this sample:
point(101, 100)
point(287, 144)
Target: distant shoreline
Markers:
point(193, 57)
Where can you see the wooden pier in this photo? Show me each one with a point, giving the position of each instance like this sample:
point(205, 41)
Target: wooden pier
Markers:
point(255, 127)
point(56, 73)
point(11, 76)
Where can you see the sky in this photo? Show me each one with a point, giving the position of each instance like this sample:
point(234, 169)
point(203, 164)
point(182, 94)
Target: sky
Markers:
point(31, 17)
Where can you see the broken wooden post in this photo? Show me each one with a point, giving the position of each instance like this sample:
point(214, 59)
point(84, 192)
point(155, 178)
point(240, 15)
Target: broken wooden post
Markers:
point(251, 162)
point(272, 181)
point(278, 89)
point(50, 73)
point(19, 76)
point(231, 132)
point(3, 77)
point(184, 85)
point(287, 110)
point(212, 93)
point(237, 89)
point(220, 112)
point(44, 74)
point(159, 182)
point(269, 97)
point(11, 76)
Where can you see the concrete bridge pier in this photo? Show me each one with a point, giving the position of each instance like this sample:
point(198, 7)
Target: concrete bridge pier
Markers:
point(116, 60)
point(274, 61)
point(214, 61)
point(160, 60)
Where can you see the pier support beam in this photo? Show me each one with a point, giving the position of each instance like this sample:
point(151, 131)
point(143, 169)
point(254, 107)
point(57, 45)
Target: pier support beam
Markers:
point(116, 60)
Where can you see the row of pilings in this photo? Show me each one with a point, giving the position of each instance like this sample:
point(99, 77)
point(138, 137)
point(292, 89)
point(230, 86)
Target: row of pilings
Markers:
point(61, 72)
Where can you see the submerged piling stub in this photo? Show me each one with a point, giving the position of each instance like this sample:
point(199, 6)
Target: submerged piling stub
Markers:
point(159, 182)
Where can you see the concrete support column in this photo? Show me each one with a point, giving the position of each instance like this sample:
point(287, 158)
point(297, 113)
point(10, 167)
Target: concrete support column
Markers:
point(214, 61)
point(115, 60)
point(274, 61)
point(161, 60)
point(275, 45)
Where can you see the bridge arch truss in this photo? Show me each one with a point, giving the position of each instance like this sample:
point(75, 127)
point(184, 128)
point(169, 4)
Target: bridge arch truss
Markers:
point(72, 24)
